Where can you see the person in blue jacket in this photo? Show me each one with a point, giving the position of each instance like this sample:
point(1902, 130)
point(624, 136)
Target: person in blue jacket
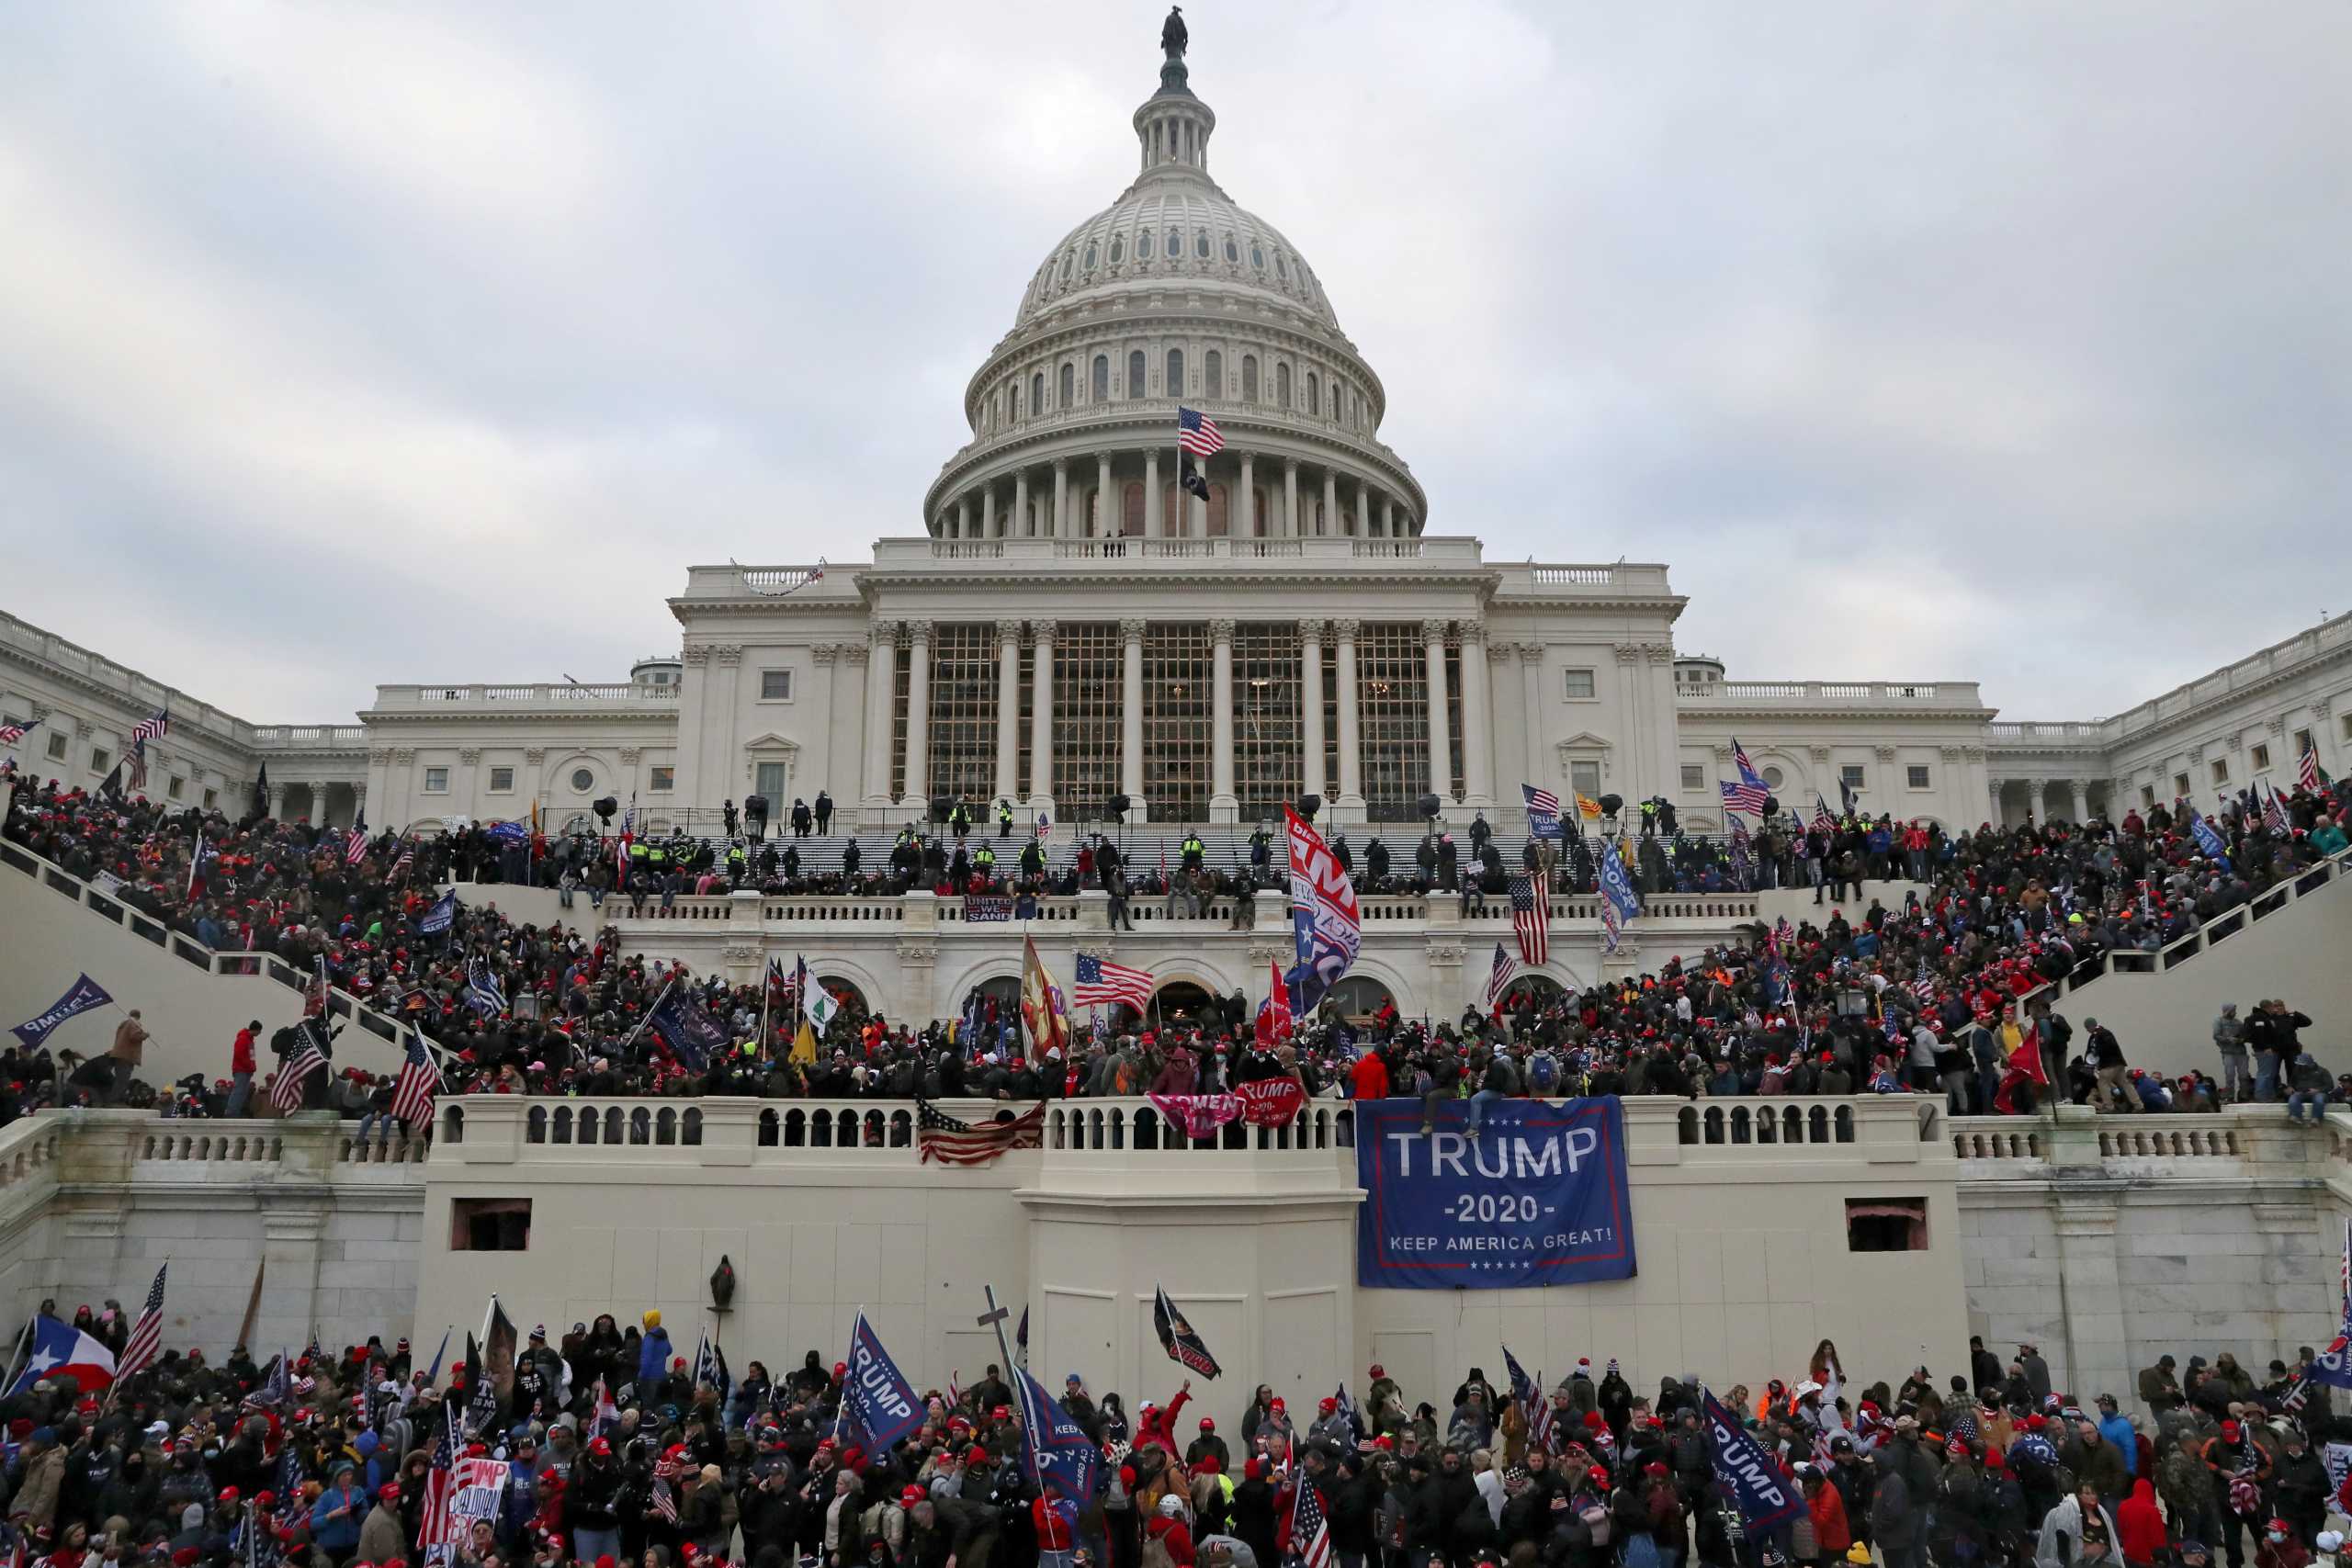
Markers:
point(335, 1520)
point(653, 1351)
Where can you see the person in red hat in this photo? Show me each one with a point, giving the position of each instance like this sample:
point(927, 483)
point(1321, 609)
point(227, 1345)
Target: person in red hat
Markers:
point(1208, 1445)
point(384, 1536)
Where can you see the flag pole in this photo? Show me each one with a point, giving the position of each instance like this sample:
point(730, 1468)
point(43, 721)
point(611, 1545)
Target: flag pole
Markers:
point(16, 1357)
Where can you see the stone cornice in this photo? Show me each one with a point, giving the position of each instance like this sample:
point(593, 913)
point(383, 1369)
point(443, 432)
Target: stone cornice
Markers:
point(507, 714)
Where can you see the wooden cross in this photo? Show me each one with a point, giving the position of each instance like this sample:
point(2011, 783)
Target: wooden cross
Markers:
point(995, 1316)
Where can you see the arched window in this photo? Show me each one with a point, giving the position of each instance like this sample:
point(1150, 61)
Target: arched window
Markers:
point(1118, 249)
point(1143, 245)
point(1281, 385)
point(1200, 244)
point(1102, 379)
point(1037, 393)
point(1176, 373)
point(1066, 261)
point(1248, 377)
point(1131, 519)
point(1135, 374)
point(1314, 394)
point(1232, 251)
point(1212, 367)
point(1258, 258)
point(1089, 263)
point(1217, 516)
point(1281, 267)
point(1069, 377)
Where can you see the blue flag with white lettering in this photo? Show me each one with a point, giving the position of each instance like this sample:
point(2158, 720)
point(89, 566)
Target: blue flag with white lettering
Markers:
point(437, 919)
point(689, 1030)
point(875, 1394)
point(2208, 839)
point(1767, 1498)
point(80, 997)
point(1060, 1453)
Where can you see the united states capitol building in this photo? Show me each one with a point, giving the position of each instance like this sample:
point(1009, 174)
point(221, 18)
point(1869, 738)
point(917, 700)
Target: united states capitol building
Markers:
point(1066, 626)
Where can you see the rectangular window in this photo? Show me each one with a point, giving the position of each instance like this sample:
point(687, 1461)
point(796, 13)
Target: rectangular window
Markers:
point(1585, 779)
point(173, 788)
point(56, 746)
point(1917, 775)
point(1579, 685)
point(663, 780)
point(2347, 722)
point(963, 710)
point(1179, 719)
point(1392, 704)
point(1850, 775)
point(2302, 744)
point(2220, 770)
point(2261, 758)
point(1886, 1224)
point(767, 780)
point(211, 798)
point(775, 685)
point(490, 1225)
point(502, 781)
point(2180, 786)
point(1088, 706)
point(1269, 716)
point(2148, 795)
point(1694, 777)
point(100, 759)
point(436, 780)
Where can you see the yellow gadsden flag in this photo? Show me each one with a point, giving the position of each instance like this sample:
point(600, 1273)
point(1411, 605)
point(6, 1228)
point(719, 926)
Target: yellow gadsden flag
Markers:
point(804, 1046)
point(1588, 806)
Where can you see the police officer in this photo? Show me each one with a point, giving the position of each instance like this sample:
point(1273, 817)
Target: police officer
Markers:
point(959, 819)
point(824, 814)
point(1004, 819)
point(1192, 850)
point(735, 863)
point(983, 862)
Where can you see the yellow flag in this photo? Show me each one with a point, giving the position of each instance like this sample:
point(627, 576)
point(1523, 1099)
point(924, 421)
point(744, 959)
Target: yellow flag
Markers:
point(804, 1046)
point(1588, 806)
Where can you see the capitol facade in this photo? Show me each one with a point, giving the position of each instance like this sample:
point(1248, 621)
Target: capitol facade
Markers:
point(1073, 624)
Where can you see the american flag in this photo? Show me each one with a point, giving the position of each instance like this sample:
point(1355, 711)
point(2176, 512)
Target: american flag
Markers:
point(1822, 821)
point(942, 1138)
point(11, 733)
point(1100, 982)
point(482, 989)
point(432, 1522)
point(147, 1334)
point(419, 1082)
point(1749, 793)
point(355, 848)
point(1310, 1532)
point(2274, 816)
point(1530, 917)
point(665, 1501)
point(405, 859)
point(1499, 978)
point(1541, 800)
point(147, 729)
point(1197, 433)
point(286, 1092)
point(2307, 766)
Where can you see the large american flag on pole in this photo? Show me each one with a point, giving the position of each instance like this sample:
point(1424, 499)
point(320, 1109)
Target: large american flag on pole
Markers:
point(159, 723)
point(286, 1092)
point(147, 1334)
point(420, 1081)
point(1101, 982)
point(1196, 433)
point(1498, 978)
point(1310, 1532)
point(2307, 766)
point(1749, 794)
point(1543, 811)
point(950, 1142)
point(1531, 919)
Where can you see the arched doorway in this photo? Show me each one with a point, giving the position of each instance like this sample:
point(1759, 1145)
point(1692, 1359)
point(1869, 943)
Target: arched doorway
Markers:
point(990, 1005)
point(1184, 1001)
point(1542, 990)
point(845, 992)
point(1358, 998)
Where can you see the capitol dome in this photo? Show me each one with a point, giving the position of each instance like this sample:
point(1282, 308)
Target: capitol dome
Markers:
point(1174, 296)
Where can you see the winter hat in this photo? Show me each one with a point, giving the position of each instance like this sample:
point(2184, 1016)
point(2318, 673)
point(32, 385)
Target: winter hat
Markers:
point(1584, 1367)
point(1613, 1366)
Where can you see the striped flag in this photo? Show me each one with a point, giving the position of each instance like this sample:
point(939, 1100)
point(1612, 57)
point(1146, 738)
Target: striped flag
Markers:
point(11, 733)
point(1822, 821)
point(1543, 811)
point(1748, 795)
point(286, 1091)
point(355, 848)
point(1100, 982)
point(1531, 919)
point(2307, 766)
point(148, 729)
point(2274, 816)
point(665, 1500)
point(147, 1334)
point(1196, 433)
point(433, 1523)
point(1310, 1532)
point(405, 859)
point(419, 1083)
point(1498, 978)
point(483, 992)
point(950, 1142)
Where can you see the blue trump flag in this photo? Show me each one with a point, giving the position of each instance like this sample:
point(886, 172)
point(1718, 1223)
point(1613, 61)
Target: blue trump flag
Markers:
point(875, 1394)
point(2208, 839)
point(1538, 1198)
point(691, 1033)
point(1766, 1499)
point(80, 997)
point(1060, 1450)
point(437, 919)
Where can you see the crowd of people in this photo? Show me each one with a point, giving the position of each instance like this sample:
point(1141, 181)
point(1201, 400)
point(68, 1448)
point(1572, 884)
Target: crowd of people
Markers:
point(1941, 991)
point(603, 1446)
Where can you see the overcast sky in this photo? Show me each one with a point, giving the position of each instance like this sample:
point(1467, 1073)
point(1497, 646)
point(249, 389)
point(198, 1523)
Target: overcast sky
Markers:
point(349, 343)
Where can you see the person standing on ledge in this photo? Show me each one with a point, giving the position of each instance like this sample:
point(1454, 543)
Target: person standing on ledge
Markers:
point(240, 1070)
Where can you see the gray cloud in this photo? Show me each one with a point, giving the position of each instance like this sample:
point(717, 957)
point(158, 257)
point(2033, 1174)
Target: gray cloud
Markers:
point(340, 344)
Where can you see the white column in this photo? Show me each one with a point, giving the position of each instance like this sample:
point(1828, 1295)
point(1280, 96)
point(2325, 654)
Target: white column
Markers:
point(988, 511)
point(358, 804)
point(918, 710)
point(2074, 798)
point(1104, 523)
point(1530, 687)
point(1248, 523)
point(1388, 515)
point(1478, 773)
point(1290, 497)
point(1131, 715)
point(1017, 525)
point(881, 678)
point(1008, 709)
point(1062, 529)
point(318, 795)
point(1363, 510)
point(1992, 787)
point(1041, 717)
point(1350, 742)
point(1331, 504)
point(1441, 742)
point(963, 518)
point(1310, 679)
point(1223, 805)
point(1151, 526)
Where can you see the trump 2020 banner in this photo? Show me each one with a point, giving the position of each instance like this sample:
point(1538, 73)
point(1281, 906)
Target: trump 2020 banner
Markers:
point(79, 998)
point(1538, 1198)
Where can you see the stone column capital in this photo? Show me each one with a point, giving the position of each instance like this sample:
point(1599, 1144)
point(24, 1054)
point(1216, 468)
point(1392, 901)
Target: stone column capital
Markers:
point(1041, 631)
point(729, 653)
point(1008, 632)
point(1311, 631)
point(1221, 629)
point(535, 755)
point(825, 652)
point(1131, 629)
point(1344, 628)
point(1433, 630)
point(1473, 632)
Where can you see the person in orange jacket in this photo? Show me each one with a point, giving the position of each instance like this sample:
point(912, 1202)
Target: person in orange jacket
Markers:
point(1831, 1534)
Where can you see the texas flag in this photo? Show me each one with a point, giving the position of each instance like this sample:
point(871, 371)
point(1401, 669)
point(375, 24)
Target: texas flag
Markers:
point(62, 1351)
